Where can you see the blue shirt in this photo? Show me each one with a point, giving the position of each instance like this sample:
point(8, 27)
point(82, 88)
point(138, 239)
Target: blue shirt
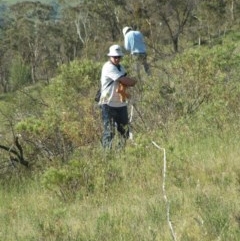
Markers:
point(134, 42)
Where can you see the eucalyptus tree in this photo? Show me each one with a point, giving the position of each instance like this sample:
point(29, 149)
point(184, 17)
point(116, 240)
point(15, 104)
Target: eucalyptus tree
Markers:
point(108, 13)
point(25, 33)
point(76, 27)
point(172, 16)
point(219, 15)
point(96, 24)
point(4, 60)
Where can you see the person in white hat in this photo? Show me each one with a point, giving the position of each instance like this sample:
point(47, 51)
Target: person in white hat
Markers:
point(134, 43)
point(114, 110)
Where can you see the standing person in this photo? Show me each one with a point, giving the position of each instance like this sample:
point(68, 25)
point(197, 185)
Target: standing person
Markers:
point(134, 43)
point(114, 111)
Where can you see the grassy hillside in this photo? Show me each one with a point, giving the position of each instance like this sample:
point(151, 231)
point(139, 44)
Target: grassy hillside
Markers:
point(178, 179)
point(202, 187)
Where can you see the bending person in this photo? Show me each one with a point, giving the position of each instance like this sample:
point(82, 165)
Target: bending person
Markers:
point(134, 43)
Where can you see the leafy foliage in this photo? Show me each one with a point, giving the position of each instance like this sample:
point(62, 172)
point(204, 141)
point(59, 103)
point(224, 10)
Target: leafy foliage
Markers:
point(68, 117)
point(20, 74)
point(84, 175)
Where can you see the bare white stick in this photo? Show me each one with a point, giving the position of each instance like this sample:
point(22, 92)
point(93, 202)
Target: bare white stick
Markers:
point(131, 114)
point(164, 190)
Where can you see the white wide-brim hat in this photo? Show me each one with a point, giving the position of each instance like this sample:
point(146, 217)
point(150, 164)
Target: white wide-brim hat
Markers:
point(115, 50)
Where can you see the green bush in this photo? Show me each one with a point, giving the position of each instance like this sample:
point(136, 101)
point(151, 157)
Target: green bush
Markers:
point(82, 177)
point(20, 74)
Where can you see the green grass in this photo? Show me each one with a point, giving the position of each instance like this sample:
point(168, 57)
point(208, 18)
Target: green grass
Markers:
point(202, 185)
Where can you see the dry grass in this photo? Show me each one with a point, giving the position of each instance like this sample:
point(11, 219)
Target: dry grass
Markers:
point(202, 185)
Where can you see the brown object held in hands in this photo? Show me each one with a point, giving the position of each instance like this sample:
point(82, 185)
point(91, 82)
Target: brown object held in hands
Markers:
point(122, 91)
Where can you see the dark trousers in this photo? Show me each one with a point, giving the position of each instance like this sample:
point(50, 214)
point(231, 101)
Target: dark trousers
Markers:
point(114, 117)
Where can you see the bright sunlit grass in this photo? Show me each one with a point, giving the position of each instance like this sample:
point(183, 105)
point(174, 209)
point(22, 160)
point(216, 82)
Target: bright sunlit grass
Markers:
point(202, 185)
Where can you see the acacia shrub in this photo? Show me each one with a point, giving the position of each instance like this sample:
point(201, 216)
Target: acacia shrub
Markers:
point(68, 117)
point(198, 80)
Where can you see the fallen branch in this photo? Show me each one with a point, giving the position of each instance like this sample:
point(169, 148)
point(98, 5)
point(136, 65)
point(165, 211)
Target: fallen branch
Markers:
point(18, 156)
